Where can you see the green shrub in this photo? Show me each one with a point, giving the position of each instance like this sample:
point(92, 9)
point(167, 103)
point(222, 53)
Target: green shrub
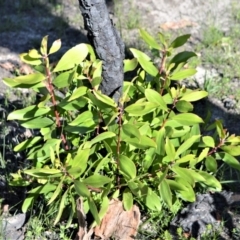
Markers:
point(149, 148)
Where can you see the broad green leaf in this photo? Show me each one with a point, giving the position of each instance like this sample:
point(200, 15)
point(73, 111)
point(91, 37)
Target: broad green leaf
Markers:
point(188, 194)
point(57, 191)
point(203, 154)
point(180, 75)
point(182, 57)
point(165, 192)
point(81, 91)
point(211, 181)
point(93, 210)
point(96, 180)
point(194, 96)
point(36, 123)
point(182, 173)
point(152, 201)
point(155, 97)
point(27, 59)
point(170, 149)
point(160, 142)
point(175, 186)
point(221, 132)
point(127, 200)
point(85, 119)
point(179, 41)
point(72, 57)
point(143, 60)
point(149, 39)
point(209, 141)
point(33, 53)
point(184, 106)
point(130, 65)
point(102, 136)
point(211, 164)
point(143, 143)
point(195, 175)
point(104, 207)
point(55, 46)
point(186, 158)
point(64, 79)
point(187, 119)
point(140, 109)
point(105, 99)
point(130, 131)
point(127, 166)
point(61, 206)
point(29, 79)
point(78, 164)
point(43, 47)
point(187, 144)
point(28, 202)
point(28, 112)
point(233, 150)
point(81, 189)
point(45, 171)
point(27, 144)
point(230, 160)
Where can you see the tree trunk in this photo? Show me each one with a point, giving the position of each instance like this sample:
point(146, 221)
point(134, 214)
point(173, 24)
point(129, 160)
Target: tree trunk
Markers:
point(107, 44)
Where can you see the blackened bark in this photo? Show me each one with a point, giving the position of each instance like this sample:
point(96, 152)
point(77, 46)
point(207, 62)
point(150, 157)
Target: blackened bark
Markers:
point(107, 43)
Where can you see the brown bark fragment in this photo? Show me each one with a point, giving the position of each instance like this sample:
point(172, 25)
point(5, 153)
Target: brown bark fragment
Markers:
point(118, 223)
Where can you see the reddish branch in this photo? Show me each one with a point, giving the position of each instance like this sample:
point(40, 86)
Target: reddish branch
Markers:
point(50, 89)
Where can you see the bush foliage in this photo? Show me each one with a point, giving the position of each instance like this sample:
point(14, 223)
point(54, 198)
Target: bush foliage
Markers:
point(150, 148)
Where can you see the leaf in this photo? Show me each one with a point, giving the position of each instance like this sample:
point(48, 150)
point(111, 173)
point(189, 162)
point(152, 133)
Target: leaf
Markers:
point(85, 119)
point(187, 144)
point(140, 109)
point(55, 46)
point(29, 79)
point(33, 53)
point(155, 97)
point(187, 119)
point(105, 99)
point(127, 200)
point(61, 207)
point(180, 75)
point(182, 173)
point(152, 201)
point(182, 57)
point(96, 180)
point(165, 192)
point(179, 41)
point(184, 106)
point(194, 96)
point(64, 79)
point(231, 149)
point(209, 141)
point(28, 202)
point(81, 91)
point(130, 65)
point(143, 60)
point(170, 149)
point(102, 136)
point(27, 59)
point(81, 189)
point(127, 167)
point(211, 181)
point(221, 132)
point(211, 164)
point(43, 47)
point(160, 142)
point(176, 186)
point(93, 210)
point(230, 160)
point(72, 57)
point(149, 39)
point(56, 192)
point(37, 123)
point(27, 144)
point(28, 112)
point(130, 131)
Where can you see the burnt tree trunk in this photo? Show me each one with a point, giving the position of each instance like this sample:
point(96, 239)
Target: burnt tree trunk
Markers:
point(107, 44)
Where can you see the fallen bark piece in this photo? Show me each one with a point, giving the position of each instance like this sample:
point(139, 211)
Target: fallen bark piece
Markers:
point(118, 223)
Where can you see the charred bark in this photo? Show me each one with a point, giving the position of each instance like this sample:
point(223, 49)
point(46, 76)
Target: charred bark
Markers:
point(107, 44)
